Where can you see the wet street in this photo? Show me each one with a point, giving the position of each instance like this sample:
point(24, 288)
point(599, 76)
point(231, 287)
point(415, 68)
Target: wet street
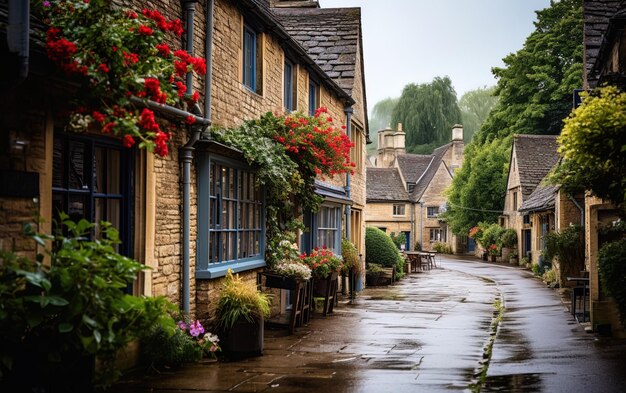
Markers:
point(429, 332)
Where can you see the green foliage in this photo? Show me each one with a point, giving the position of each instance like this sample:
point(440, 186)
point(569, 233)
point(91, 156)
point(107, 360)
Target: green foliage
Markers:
point(323, 262)
point(77, 306)
point(508, 238)
point(428, 112)
point(593, 146)
point(491, 235)
point(549, 276)
point(417, 246)
point(475, 106)
point(568, 246)
point(612, 270)
point(239, 299)
point(398, 239)
point(442, 248)
point(162, 349)
point(534, 91)
point(380, 249)
point(476, 193)
point(350, 256)
point(380, 118)
point(537, 270)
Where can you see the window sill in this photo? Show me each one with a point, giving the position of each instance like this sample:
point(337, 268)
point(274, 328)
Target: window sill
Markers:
point(236, 267)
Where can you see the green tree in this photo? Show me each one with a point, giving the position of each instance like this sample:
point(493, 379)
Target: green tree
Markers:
point(380, 118)
point(534, 90)
point(477, 190)
point(427, 111)
point(475, 106)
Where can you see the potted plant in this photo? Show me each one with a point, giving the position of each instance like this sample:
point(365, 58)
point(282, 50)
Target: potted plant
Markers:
point(513, 257)
point(240, 312)
point(325, 267)
point(493, 251)
point(373, 273)
point(352, 264)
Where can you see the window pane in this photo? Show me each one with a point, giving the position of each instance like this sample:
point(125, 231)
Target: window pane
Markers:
point(77, 158)
point(58, 159)
point(77, 207)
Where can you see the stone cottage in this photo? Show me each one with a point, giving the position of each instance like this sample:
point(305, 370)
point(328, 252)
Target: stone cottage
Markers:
point(405, 191)
point(161, 204)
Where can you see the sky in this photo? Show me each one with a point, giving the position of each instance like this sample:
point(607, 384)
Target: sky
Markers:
point(413, 41)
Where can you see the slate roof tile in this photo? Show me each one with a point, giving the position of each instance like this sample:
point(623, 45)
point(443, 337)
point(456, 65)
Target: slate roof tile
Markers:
point(543, 198)
point(413, 166)
point(385, 184)
point(536, 155)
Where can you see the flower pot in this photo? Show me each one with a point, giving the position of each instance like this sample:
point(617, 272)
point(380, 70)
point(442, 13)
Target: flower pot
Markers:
point(278, 281)
point(321, 285)
point(243, 339)
point(493, 258)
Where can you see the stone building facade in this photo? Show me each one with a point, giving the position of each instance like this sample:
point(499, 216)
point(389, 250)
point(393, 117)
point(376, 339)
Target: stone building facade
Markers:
point(405, 192)
point(35, 147)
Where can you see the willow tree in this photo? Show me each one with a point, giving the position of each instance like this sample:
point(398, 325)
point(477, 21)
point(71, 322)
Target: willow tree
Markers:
point(427, 111)
point(475, 106)
point(380, 118)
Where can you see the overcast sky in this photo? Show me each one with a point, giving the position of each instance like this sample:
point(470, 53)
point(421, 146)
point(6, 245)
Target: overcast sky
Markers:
point(413, 41)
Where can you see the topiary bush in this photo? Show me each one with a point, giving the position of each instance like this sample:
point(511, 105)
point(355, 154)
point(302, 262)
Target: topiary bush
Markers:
point(508, 238)
point(380, 249)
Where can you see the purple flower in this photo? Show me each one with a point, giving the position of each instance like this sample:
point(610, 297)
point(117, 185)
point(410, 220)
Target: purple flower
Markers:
point(46, 4)
point(182, 325)
point(196, 329)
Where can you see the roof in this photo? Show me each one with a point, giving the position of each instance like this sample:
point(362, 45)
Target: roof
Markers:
point(429, 173)
point(331, 37)
point(262, 11)
point(385, 184)
point(596, 16)
point(536, 155)
point(413, 166)
point(543, 198)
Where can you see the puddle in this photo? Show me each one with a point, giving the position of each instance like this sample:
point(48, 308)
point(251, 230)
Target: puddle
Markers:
point(513, 383)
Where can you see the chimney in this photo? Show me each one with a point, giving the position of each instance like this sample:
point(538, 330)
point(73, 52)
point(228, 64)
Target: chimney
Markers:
point(457, 132)
point(399, 126)
point(295, 4)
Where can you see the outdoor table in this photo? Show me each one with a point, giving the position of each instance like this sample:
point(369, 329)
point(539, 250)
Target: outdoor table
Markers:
point(415, 260)
point(580, 290)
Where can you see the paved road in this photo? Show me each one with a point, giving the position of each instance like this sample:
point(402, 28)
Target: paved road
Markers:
point(427, 333)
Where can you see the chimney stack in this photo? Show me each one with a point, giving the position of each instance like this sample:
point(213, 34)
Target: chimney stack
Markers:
point(399, 126)
point(457, 132)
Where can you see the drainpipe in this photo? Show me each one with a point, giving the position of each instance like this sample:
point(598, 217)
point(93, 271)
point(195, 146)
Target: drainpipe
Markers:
point(208, 78)
point(186, 156)
point(348, 111)
point(421, 224)
point(411, 242)
point(18, 34)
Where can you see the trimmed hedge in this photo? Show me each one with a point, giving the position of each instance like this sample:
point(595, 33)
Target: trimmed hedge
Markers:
point(380, 249)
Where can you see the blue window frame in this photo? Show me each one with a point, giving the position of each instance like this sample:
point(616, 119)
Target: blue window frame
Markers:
point(231, 218)
point(92, 179)
point(314, 90)
point(325, 228)
point(249, 58)
point(288, 86)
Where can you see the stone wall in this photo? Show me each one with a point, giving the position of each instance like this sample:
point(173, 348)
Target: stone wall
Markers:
point(432, 197)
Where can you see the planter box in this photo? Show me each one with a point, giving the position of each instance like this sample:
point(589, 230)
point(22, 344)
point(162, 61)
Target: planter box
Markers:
point(282, 282)
point(243, 339)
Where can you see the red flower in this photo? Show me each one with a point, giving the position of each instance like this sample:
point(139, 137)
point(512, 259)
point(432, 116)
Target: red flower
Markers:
point(181, 88)
point(131, 15)
point(108, 128)
point(130, 58)
point(128, 141)
point(97, 116)
point(180, 67)
point(103, 68)
point(163, 49)
point(60, 50)
point(190, 120)
point(176, 27)
point(199, 64)
point(195, 97)
point(144, 30)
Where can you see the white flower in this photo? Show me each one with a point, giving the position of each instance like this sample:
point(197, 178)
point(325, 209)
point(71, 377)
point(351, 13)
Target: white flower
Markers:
point(293, 269)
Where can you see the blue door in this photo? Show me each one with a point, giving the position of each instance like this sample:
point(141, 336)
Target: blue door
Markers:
point(471, 245)
point(407, 244)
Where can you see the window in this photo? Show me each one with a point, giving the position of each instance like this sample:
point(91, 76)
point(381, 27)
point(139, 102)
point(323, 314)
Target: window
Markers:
point(314, 96)
point(437, 235)
point(526, 219)
point(432, 211)
point(328, 228)
point(411, 187)
point(399, 209)
point(230, 218)
point(515, 200)
point(355, 229)
point(289, 84)
point(249, 57)
point(91, 179)
point(356, 152)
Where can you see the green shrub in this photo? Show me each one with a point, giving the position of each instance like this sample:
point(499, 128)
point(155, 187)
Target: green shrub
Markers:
point(568, 246)
point(350, 256)
point(492, 235)
point(612, 270)
point(398, 240)
point(537, 270)
point(381, 250)
point(442, 248)
point(417, 247)
point(240, 299)
point(75, 308)
point(549, 276)
point(508, 238)
point(163, 349)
